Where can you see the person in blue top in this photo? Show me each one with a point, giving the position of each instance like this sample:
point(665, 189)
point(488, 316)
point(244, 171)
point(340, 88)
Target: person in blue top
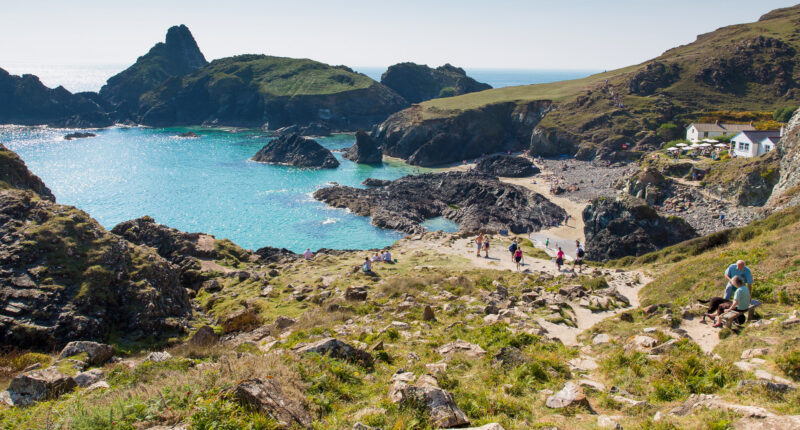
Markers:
point(741, 301)
point(737, 269)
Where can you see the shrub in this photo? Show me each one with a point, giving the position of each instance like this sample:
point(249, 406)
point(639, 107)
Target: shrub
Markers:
point(790, 364)
point(668, 131)
point(447, 92)
point(784, 114)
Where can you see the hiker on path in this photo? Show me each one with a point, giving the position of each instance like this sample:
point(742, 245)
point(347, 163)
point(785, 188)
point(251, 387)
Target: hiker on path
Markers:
point(559, 258)
point(479, 242)
point(741, 270)
point(579, 253)
point(513, 248)
point(486, 247)
point(547, 243)
point(518, 257)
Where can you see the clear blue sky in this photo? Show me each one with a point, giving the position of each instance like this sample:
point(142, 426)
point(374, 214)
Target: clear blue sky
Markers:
point(576, 34)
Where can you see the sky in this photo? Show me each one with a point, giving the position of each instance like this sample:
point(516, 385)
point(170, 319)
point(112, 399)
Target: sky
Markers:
point(499, 34)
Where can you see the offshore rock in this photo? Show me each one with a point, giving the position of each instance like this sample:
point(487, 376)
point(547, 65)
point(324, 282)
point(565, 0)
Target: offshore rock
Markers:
point(506, 166)
point(364, 151)
point(298, 151)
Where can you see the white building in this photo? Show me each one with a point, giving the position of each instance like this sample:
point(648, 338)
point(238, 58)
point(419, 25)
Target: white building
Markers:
point(754, 143)
point(696, 132)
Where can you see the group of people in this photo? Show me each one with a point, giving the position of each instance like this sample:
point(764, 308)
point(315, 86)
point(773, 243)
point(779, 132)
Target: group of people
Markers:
point(579, 254)
point(482, 243)
point(516, 253)
point(384, 257)
point(736, 298)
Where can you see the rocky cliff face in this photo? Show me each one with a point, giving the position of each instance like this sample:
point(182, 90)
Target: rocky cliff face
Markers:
point(63, 277)
point(628, 226)
point(434, 141)
point(26, 101)
point(177, 56)
point(787, 191)
point(365, 150)
point(475, 201)
point(15, 174)
point(298, 151)
point(417, 83)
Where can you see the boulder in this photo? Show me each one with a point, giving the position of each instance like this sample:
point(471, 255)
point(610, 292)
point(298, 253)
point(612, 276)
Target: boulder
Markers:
point(461, 347)
point(601, 339)
point(45, 384)
point(78, 135)
point(364, 151)
point(506, 166)
point(241, 320)
point(158, 356)
point(266, 396)
point(282, 322)
point(89, 377)
point(204, 336)
point(338, 349)
point(427, 314)
point(571, 395)
point(372, 182)
point(509, 356)
point(354, 293)
point(754, 352)
point(710, 401)
point(298, 151)
point(439, 404)
point(640, 343)
point(96, 353)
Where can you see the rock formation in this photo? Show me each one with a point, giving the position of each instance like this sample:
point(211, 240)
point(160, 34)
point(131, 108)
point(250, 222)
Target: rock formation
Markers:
point(26, 101)
point(627, 226)
point(432, 141)
point(298, 151)
point(787, 191)
point(15, 174)
point(475, 201)
point(177, 56)
point(506, 166)
point(417, 83)
point(364, 151)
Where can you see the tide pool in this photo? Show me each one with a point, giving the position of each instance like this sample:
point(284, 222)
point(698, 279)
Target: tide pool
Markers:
point(206, 184)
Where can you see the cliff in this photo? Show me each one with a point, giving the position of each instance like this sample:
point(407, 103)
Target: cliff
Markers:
point(15, 174)
point(418, 82)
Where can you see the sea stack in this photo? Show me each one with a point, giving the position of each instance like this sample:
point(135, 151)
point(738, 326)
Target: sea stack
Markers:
point(365, 150)
point(298, 151)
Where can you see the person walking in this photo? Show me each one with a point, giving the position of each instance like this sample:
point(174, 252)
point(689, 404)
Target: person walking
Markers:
point(486, 246)
point(579, 253)
point(513, 248)
point(518, 257)
point(479, 243)
point(559, 259)
point(547, 243)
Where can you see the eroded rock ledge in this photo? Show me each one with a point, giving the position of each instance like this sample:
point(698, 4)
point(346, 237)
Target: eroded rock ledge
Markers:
point(475, 201)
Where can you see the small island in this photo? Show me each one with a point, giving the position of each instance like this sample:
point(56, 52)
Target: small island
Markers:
point(298, 151)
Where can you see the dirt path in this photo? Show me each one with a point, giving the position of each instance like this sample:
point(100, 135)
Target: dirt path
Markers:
point(704, 335)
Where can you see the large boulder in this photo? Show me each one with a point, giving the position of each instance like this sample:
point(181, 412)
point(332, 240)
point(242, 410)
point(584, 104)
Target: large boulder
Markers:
point(506, 166)
point(337, 349)
point(628, 226)
point(365, 150)
point(439, 404)
point(45, 384)
point(96, 353)
point(461, 347)
point(241, 320)
point(298, 151)
point(418, 82)
point(475, 201)
point(571, 395)
point(266, 396)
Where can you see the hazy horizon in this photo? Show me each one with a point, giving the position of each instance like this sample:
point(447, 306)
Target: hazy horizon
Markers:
point(506, 34)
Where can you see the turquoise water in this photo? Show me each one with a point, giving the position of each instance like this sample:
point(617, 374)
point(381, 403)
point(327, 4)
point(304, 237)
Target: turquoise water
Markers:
point(440, 224)
point(206, 184)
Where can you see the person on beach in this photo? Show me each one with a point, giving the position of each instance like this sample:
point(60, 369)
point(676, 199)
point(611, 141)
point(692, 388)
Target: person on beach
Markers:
point(513, 248)
point(547, 243)
point(741, 270)
point(518, 257)
point(486, 247)
point(559, 259)
point(308, 254)
point(741, 302)
point(479, 243)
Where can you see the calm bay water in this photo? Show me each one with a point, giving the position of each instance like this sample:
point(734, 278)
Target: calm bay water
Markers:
point(206, 184)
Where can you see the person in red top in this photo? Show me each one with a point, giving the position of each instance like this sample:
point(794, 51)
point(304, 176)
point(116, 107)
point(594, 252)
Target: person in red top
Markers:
point(559, 258)
point(518, 257)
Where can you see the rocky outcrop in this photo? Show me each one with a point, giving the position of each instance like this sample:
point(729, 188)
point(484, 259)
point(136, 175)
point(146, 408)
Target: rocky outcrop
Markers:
point(313, 129)
point(177, 56)
point(432, 141)
point(96, 353)
point(298, 151)
point(787, 191)
point(506, 166)
point(270, 92)
point(15, 174)
point(649, 185)
point(373, 182)
point(26, 101)
point(270, 254)
point(475, 201)
point(46, 384)
point(628, 226)
point(267, 397)
point(653, 76)
point(337, 349)
point(440, 405)
point(364, 151)
point(63, 277)
point(418, 82)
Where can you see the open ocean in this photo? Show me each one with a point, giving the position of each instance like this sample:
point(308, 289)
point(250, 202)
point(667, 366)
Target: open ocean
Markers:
point(208, 184)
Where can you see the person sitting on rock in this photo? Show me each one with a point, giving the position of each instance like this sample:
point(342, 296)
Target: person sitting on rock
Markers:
point(367, 266)
point(308, 254)
point(377, 258)
point(387, 257)
point(737, 269)
point(741, 302)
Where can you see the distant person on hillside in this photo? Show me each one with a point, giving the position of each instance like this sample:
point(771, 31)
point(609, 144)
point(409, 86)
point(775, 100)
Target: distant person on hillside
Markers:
point(377, 258)
point(722, 219)
point(547, 243)
point(479, 243)
point(367, 266)
point(741, 302)
point(579, 253)
point(486, 247)
point(308, 254)
point(387, 257)
point(513, 248)
point(741, 270)
point(518, 257)
point(559, 259)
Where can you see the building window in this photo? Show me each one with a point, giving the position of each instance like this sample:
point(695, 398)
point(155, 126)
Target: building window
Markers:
point(705, 134)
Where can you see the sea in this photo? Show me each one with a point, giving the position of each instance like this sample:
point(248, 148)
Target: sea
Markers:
point(208, 184)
